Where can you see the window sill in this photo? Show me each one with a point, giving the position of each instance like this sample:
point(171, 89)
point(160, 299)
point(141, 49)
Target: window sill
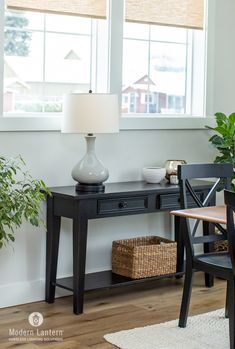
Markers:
point(167, 122)
point(52, 123)
point(30, 123)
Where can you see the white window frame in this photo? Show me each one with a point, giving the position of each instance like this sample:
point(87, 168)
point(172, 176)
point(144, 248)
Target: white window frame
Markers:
point(143, 122)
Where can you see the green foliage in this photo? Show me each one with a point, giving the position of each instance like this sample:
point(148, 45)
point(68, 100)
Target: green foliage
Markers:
point(224, 140)
point(20, 197)
point(16, 42)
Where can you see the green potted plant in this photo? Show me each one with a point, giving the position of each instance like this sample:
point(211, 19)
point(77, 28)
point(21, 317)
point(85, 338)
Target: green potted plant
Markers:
point(20, 197)
point(224, 140)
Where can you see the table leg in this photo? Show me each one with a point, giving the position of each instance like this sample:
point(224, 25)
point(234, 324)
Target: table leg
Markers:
point(79, 261)
point(52, 249)
point(180, 245)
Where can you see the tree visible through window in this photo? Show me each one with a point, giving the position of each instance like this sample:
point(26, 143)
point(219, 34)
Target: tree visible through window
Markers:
point(16, 41)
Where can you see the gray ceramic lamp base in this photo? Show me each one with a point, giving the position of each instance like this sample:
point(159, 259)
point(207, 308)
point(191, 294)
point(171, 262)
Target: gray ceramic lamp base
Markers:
point(90, 172)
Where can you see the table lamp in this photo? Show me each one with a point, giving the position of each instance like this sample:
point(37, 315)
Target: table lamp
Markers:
point(90, 113)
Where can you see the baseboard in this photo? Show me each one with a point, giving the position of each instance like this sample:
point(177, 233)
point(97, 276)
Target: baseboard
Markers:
point(25, 292)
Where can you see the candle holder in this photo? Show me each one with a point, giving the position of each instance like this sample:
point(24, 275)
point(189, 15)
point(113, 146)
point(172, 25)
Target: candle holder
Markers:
point(171, 167)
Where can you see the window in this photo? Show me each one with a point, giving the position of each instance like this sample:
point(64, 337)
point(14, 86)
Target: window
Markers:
point(158, 64)
point(155, 66)
point(153, 57)
point(47, 55)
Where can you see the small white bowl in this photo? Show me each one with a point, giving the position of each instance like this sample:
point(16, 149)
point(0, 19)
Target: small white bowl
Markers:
point(154, 174)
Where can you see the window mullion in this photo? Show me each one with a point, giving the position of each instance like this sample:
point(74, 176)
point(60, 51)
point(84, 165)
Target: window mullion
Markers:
point(100, 71)
point(44, 64)
point(92, 62)
point(116, 20)
point(198, 76)
point(149, 55)
point(2, 14)
point(189, 73)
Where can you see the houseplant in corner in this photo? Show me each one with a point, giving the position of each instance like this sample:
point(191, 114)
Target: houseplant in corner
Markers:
point(20, 197)
point(224, 140)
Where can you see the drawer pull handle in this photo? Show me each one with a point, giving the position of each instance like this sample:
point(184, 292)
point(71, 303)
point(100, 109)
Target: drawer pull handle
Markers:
point(122, 204)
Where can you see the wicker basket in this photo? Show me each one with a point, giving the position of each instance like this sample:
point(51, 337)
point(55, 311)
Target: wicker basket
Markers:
point(220, 245)
point(143, 257)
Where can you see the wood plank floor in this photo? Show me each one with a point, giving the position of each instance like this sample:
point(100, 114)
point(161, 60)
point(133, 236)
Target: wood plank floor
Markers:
point(110, 311)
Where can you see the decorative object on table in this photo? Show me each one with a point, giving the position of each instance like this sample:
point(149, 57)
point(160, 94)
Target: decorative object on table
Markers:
point(224, 140)
point(20, 197)
point(143, 257)
point(154, 174)
point(90, 113)
point(174, 179)
point(171, 170)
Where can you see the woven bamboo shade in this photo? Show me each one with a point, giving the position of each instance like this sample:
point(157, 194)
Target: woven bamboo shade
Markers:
point(87, 8)
point(177, 13)
point(180, 13)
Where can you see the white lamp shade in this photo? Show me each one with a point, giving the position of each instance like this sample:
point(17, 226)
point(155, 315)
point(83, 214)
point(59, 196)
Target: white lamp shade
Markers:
point(90, 113)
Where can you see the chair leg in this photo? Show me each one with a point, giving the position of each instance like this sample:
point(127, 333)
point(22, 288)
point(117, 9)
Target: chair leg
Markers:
point(186, 297)
point(232, 313)
point(227, 301)
point(209, 280)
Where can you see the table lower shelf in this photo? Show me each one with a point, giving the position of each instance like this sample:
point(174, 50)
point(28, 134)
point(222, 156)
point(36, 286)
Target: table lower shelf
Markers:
point(107, 279)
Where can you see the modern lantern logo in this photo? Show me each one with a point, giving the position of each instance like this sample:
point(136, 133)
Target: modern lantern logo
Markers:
point(35, 319)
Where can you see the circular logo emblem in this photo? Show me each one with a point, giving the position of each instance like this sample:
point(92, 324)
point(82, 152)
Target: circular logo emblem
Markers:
point(35, 319)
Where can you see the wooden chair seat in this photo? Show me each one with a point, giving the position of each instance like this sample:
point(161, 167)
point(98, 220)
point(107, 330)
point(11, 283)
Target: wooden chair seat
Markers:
point(214, 214)
point(220, 261)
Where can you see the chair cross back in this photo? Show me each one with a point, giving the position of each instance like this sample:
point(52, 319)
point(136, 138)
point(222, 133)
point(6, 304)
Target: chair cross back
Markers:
point(212, 263)
point(223, 173)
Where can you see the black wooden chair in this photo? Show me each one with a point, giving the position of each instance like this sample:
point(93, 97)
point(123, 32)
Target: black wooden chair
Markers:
point(229, 199)
point(212, 263)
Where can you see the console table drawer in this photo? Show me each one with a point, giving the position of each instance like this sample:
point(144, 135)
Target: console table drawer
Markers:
point(137, 204)
point(172, 201)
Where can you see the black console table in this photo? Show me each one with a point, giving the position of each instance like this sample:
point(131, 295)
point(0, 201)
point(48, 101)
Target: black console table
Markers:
point(119, 199)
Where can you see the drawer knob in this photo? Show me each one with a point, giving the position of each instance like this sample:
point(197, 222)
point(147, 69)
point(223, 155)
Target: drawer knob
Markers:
point(122, 204)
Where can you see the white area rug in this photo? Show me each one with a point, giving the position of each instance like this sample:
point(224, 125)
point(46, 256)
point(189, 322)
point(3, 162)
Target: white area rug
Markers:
point(205, 331)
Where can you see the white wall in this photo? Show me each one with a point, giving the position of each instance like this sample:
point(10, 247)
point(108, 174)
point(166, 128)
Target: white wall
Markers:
point(51, 155)
point(224, 57)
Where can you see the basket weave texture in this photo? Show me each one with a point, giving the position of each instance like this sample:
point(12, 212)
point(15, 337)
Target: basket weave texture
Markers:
point(220, 245)
point(143, 257)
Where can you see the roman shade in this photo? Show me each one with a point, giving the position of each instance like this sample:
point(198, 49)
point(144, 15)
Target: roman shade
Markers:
point(179, 13)
point(87, 8)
